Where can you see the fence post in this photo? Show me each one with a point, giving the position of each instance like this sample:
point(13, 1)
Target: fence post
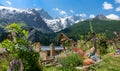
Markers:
point(52, 49)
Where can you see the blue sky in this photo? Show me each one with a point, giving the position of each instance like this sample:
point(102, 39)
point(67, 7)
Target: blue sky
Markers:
point(59, 8)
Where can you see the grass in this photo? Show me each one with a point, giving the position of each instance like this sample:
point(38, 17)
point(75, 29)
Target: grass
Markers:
point(3, 64)
point(51, 69)
point(110, 63)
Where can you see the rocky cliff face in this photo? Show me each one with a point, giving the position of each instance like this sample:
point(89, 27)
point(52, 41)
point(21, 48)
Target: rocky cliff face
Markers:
point(62, 23)
point(44, 14)
point(38, 19)
point(101, 17)
point(31, 18)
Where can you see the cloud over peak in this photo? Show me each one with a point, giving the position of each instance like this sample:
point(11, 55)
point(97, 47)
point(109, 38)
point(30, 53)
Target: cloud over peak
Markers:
point(61, 12)
point(117, 1)
point(83, 15)
point(107, 6)
point(71, 11)
point(118, 9)
point(113, 17)
point(8, 2)
point(92, 16)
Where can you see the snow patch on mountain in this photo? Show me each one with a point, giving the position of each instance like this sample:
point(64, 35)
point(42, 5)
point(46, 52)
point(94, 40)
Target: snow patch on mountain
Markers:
point(13, 10)
point(62, 23)
point(31, 16)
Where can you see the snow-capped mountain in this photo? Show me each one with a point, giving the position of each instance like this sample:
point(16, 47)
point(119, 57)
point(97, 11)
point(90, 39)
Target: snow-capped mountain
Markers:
point(57, 24)
point(62, 23)
point(30, 17)
point(36, 18)
point(44, 14)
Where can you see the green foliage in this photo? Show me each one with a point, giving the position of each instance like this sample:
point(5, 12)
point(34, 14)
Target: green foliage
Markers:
point(109, 63)
point(3, 64)
point(51, 69)
point(82, 37)
point(70, 62)
point(7, 44)
point(30, 59)
point(13, 28)
point(16, 28)
point(103, 46)
point(91, 27)
point(67, 45)
point(19, 48)
point(100, 26)
point(102, 43)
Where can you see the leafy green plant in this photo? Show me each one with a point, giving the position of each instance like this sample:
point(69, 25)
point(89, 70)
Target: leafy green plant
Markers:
point(18, 47)
point(70, 62)
point(67, 45)
point(102, 43)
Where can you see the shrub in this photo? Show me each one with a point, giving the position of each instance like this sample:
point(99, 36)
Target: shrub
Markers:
point(19, 48)
point(71, 61)
point(103, 46)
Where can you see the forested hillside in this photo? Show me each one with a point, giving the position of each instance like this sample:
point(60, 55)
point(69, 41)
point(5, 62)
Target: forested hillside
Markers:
point(99, 26)
point(75, 31)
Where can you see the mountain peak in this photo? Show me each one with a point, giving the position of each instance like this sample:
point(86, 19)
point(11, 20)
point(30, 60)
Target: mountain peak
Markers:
point(30, 17)
point(62, 22)
point(100, 17)
point(44, 14)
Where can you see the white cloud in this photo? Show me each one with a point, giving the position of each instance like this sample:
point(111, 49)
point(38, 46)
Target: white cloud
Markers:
point(56, 9)
point(71, 11)
point(113, 17)
point(118, 9)
point(83, 15)
point(107, 6)
point(8, 2)
point(92, 16)
point(117, 1)
point(62, 12)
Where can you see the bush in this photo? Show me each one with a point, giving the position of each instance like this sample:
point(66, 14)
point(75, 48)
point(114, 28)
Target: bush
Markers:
point(71, 61)
point(18, 48)
point(103, 46)
point(30, 60)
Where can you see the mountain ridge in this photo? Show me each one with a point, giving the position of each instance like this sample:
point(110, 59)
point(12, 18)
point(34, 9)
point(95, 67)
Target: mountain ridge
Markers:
point(59, 24)
point(99, 26)
point(101, 17)
point(29, 17)
point(36, 18)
